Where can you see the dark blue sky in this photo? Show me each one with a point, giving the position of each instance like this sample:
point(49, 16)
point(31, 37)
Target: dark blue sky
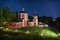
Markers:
point(43, 7)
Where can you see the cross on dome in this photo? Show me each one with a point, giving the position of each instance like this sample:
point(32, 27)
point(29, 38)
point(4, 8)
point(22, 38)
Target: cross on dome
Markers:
point(23, 11)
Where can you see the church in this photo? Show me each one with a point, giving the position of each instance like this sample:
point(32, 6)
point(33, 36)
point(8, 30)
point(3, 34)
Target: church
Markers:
point(23, 20)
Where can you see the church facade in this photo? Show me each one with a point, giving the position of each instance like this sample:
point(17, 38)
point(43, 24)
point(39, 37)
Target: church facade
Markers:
point(24, 20)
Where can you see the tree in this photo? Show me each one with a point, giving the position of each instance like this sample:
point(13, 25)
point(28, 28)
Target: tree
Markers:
point(6, 13)
point(43, 19)
point(58, 23)
point(13, 16)
point(2, 19)
point(58, 19)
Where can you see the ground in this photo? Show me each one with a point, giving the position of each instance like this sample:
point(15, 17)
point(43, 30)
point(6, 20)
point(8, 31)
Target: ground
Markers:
point(28, 32)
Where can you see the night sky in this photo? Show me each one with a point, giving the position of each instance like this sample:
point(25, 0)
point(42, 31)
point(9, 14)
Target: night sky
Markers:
point(43, 7)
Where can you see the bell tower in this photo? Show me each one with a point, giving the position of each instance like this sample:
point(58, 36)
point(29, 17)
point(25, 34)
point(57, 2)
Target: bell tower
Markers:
point(35, 19)
point(24, 16)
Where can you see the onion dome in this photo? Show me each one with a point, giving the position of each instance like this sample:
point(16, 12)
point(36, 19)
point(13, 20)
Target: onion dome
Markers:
point(23, 11)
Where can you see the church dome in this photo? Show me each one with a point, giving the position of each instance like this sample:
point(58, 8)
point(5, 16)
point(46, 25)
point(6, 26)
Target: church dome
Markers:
point(23, 11)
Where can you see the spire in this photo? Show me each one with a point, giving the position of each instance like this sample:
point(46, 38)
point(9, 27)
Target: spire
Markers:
point(23, 9)
point(35, 13)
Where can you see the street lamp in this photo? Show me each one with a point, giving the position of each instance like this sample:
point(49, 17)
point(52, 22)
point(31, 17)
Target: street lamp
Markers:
point(58, 34)
point(6, 28)
point(27, 32)
point(1, 27)
point(16, 30)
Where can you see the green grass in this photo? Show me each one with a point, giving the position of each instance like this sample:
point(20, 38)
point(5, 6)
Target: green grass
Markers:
point(43, 32)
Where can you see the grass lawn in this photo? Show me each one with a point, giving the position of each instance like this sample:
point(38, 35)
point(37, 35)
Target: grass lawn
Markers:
point(30, 31)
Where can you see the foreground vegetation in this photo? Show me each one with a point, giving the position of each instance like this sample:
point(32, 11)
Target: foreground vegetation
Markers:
point(28, 33)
